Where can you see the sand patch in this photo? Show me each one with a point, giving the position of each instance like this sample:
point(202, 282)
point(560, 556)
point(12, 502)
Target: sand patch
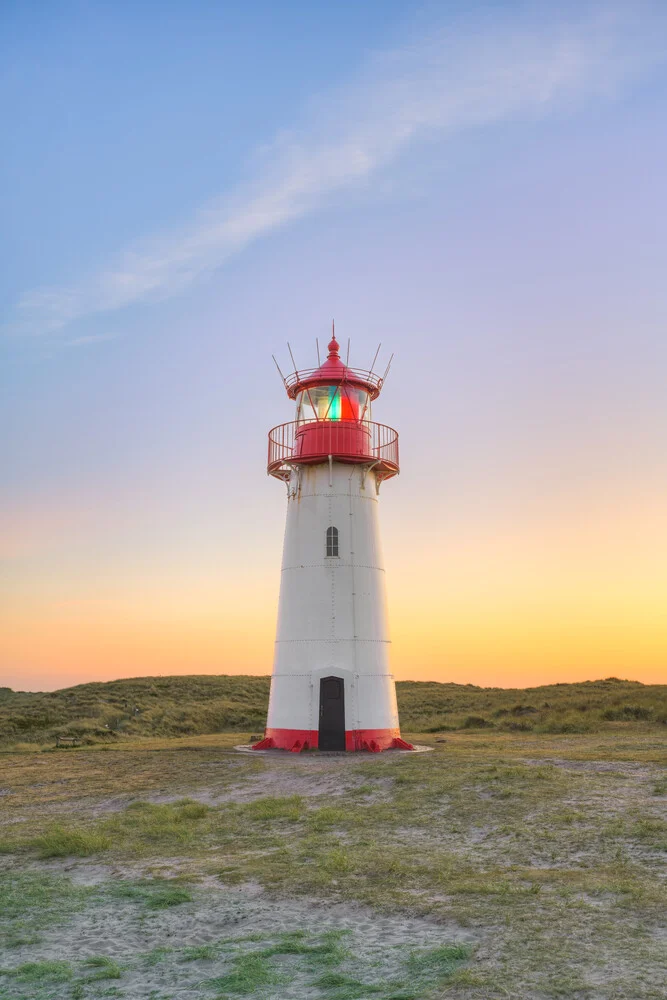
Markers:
point(178, 950)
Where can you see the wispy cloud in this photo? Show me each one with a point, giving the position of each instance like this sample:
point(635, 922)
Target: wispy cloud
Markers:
point(458, 77)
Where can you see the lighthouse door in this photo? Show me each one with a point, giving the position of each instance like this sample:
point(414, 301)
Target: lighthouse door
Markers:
point(332, 714)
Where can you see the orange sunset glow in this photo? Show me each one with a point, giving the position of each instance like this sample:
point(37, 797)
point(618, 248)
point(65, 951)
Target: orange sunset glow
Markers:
point(493, 604)
point(490, 222)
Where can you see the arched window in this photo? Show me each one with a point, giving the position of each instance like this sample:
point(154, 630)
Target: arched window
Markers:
point(332, 541)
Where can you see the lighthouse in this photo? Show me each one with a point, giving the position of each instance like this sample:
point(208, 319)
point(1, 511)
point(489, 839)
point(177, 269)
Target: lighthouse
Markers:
point(331, 687)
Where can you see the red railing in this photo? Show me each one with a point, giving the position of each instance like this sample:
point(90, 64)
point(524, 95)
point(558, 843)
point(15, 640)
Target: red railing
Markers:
point(308, 442)
point(296, 380)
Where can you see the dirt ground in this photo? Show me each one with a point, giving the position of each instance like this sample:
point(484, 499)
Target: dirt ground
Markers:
point(492, 867)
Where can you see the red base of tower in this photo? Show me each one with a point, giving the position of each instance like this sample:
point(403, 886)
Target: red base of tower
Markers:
point(296, 740)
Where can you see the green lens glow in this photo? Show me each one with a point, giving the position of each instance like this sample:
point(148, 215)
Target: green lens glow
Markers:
point(334, 404)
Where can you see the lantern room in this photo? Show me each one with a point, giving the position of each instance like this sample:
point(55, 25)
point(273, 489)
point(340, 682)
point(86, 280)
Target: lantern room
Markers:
point(339, 401)
point(333, 420)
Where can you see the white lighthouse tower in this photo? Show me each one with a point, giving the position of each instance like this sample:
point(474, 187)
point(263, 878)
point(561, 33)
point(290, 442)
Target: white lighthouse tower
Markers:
point(331, 686)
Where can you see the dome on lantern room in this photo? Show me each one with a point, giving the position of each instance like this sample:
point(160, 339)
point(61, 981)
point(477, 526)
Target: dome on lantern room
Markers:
point(332, 368)
point(333, 371)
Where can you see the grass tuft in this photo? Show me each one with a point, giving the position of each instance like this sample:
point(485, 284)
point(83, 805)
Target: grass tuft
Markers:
point(341, 987)
point(157, 955)
point(169, 896)
point(249, 974)
point(40, 972)
point(155, 894)
point(106, 967)
point(199, 953)
point(438, 962)
point(328, 950)
point(63, 842)
point(269, 808)
point(652, 832)
point(327, 817)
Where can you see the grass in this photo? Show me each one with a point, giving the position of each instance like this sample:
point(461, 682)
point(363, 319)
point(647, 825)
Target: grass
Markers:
point(418, 972)
point(157, 955)
point(200, 953)
point(155, 706)
point(437, 962)
point(338, 986)
point(518, 803)
point(144, 828)
point(547, 849)
point(39, 972)
point(288, 962)
point(249, 974)
point(110, 713)
point(62, 842)
point(653, 832)
point(153, 894)
point(31, 901)
point(328, 950)
point(172, 896)
point(556, 708)
point(105, 968)
point(272, 808)
point(165, 827)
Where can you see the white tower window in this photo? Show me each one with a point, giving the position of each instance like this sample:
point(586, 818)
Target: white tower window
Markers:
point(332, 541)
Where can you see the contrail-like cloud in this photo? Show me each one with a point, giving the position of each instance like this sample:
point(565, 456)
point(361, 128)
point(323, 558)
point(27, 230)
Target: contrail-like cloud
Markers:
point(459, 77)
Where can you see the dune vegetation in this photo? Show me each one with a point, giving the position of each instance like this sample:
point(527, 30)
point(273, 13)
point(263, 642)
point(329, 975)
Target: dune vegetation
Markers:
point(199, 705)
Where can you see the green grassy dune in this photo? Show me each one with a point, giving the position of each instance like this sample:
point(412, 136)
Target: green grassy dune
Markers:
point(197, 705)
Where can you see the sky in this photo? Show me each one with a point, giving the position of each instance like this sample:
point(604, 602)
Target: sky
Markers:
point(478, 186)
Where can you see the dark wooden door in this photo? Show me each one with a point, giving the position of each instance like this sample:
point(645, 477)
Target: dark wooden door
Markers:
point(332, 713)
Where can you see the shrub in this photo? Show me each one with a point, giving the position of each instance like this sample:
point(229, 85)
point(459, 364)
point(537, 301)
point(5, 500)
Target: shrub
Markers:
point(517, 726)
point(627, 713)
point(571, 722)
point(475, 722)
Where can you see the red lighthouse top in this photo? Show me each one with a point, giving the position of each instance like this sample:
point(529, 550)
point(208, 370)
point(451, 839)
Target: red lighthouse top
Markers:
point(333, 371)
point(333, 420)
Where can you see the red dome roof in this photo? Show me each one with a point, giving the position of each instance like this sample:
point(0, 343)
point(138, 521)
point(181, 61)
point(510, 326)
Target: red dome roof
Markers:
point(333, 371)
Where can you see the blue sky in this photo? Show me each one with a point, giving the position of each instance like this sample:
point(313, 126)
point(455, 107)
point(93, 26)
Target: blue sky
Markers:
point(478, 186)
